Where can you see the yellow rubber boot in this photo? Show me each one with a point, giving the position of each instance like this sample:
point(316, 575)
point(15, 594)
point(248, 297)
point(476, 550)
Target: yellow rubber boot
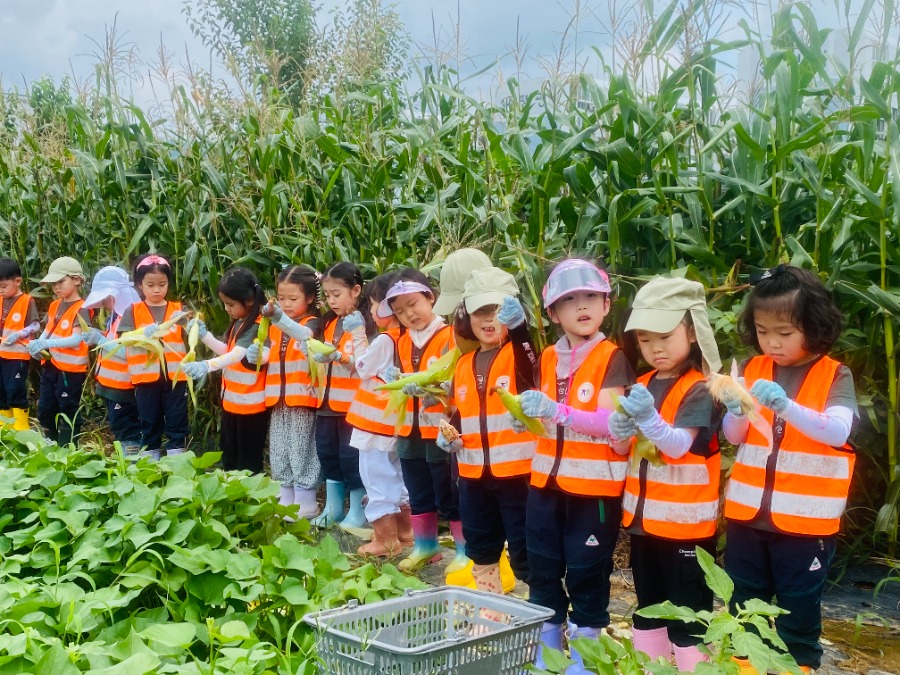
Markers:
point(745, 667)
point(466, 579)
point(506, 574)
point(21, 417)
point(5, 416)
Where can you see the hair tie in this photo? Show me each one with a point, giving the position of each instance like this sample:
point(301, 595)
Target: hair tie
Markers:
point(770, 273)
point(318, 276)
point(153, 259)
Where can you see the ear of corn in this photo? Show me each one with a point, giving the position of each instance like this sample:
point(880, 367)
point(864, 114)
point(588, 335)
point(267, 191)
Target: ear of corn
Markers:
point(512, 403)
point(643, 447)
point(262, 334)
point(316, 369)
point(448, 431)
point(191, 356)
point(725, 387)
point(439, 371)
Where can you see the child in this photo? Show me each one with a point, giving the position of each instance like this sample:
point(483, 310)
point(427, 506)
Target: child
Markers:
point(341, 285)
point(577, 478)
point(290, 394)
point(783, 504)
point(455, 271)
point(163, 409)
point(245, 419)
point(20, 320)
point(494, 461)
point(112, 290)
point(63, 375)
point(374, 429)
point(427, 470)
point(671, 506)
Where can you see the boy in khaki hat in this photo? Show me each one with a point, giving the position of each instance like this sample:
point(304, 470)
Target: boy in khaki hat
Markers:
point(64, 372)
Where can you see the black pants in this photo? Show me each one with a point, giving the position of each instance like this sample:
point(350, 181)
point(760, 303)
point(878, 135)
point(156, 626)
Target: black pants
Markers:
point(243, 440)
point(430, 476)
point(571, 538)
point(790, 568)
point(58, 403)
point(663, 570)
point(493, 513)
point(339, 461)
point(124, 422)
point(163, 410)
point(13, 384)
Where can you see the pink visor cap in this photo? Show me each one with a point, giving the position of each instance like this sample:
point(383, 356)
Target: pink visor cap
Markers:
point(398, 289)
point(574, 275)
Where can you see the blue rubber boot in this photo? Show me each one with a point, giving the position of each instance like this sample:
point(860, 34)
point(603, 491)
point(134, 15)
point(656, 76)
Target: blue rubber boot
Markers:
point(333, 512)
point(551, 636)
point(355, 522)
point(578, 668)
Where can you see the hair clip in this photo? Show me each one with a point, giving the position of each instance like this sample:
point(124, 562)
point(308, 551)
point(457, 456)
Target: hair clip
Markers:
point(770, 273)
point(153, 259)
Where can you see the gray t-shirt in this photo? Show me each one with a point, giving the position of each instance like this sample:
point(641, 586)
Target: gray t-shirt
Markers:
point(127, 322)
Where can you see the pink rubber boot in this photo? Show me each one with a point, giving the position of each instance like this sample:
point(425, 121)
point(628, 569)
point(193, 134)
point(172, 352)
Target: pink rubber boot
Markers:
point(654, 643)
point(687, 658)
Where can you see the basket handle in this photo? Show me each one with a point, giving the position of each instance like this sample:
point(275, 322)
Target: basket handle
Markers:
point(324, 613)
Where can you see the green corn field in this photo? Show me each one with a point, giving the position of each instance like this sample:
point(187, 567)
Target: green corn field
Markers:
point(682, 176)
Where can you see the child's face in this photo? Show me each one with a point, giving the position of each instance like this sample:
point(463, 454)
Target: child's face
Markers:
point(667, 352)
point(236, 309)
point(488, 331)
point(155, 288)
point(413, 310)
point(292, 300)
point(580, 314)
point(67, 288)
point(340, 297)
point(382, 322)
point(780, 339)
point(10, 288)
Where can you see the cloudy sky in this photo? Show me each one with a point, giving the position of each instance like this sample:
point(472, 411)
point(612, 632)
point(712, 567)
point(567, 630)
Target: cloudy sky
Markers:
point(57, 37)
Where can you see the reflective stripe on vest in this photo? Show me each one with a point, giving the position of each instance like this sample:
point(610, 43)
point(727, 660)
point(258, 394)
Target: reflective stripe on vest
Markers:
point(143, 366)
point(581, 464)
point(487, 436)
point(681, 497)
point(427, 419)
point(13, 323)
point(243, 389)
point(67, 359)
point(287, 373)
point(112, 369)
point(368, 412)
point(340, 380)
point(811, 481)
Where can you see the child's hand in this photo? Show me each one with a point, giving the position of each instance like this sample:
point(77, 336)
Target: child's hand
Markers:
point(35, 347)
point(733, 405)
point(639, 404)
point(15, 336)
point(93, 337)
point(391, 374)
point(327, 358)
point(150, 330)
point(537, 404)
point(511, 313)
point(771, 395)
point(195, 369)
point(253, 352)
point(621, 427)
point(202, 331)
point(515, 425)
point(352, 321)
point(451, 447)
point(273, 311)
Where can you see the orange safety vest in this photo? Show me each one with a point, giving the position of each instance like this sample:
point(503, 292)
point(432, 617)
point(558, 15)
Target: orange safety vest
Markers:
point(68, 359)
point(341, 381)
point(140, 365)
point(581, 464)
point(428, 419)
point(368, 412)
point(808, 492)
point(487, 435)
point(287, 374)
point(243, 389)
point(12, 323)
point(112, 369)
point(681, 497)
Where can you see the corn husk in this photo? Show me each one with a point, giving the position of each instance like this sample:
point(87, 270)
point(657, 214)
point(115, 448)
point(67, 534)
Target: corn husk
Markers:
point(316, 369)
point(722, 387)
point(191, 356)
point(430, 380)
point(643, 447)
point(262, 334)
point(512, 403)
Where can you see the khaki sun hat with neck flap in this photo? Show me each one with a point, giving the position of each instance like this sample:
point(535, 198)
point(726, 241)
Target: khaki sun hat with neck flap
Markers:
point(454, 273)
point(61, 268)
point(488, 286)
point(661, 304)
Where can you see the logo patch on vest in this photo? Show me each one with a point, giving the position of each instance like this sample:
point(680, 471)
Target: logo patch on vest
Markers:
point(18, 376)
point(117, 406)
point(461, 392)
point(816, 565)
point(16, 316)
point(64, 324)
point(348, 348)
point(592, 541)
point(430, 362)
point(503, 381)
point(585, 392)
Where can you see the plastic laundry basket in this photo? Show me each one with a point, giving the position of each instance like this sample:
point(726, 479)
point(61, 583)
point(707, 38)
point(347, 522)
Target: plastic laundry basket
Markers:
point(432, 632)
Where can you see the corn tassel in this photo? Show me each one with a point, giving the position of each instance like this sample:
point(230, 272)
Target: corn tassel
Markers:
point(513, 404)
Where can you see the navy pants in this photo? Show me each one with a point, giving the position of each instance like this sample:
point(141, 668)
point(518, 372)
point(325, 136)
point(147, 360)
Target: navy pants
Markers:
point(242, 439)
point(570, 541)
point(163, 410)
point(339, 461)
point(666, 569)
point(58, 402)
point(13, 384)
point(792, 570)
point(493, 513)
point(124, 422)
